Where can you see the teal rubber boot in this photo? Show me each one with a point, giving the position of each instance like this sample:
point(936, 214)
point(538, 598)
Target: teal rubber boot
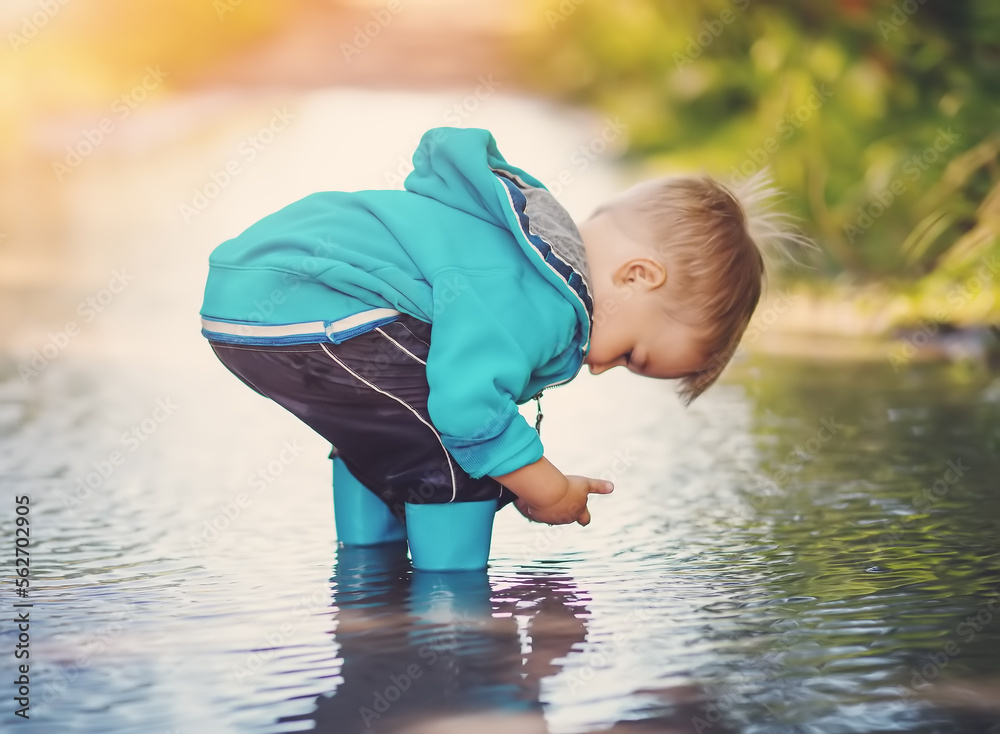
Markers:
point(450, 537)
point(361, 517)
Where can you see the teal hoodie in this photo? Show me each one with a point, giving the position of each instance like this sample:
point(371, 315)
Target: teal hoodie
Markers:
point(506, 296)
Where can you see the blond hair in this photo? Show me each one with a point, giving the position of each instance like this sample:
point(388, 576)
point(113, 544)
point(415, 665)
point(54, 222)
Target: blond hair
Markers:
point(712, 238)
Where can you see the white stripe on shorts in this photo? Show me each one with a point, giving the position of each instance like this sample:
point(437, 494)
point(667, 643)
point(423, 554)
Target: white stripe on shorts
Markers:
point(379, 330)
point(447, 456)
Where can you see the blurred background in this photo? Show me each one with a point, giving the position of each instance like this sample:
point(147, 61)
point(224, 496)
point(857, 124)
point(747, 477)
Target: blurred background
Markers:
point(811, 546)
point(879, 119)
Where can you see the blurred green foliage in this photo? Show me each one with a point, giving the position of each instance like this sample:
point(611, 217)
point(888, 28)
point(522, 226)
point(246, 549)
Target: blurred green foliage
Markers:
point(879, 118)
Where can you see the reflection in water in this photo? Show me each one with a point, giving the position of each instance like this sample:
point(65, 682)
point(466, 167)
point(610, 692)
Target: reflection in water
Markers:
point(424, 650)
point(417, 643)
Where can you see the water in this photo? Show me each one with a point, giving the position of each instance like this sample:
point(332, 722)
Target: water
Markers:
point(811, 547)
point(712, 592)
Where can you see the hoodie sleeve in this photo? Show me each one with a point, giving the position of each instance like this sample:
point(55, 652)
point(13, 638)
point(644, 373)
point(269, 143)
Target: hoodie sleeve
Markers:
point(477, 369)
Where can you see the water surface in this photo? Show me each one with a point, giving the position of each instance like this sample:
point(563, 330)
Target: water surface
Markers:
point(810, 547)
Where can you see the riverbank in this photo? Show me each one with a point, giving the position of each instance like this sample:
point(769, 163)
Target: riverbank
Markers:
point(839, 321)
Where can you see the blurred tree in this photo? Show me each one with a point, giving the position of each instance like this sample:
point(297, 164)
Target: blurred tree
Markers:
point(878, 116)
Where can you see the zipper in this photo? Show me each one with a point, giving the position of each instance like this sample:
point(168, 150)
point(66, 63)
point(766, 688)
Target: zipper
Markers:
point(538, 398)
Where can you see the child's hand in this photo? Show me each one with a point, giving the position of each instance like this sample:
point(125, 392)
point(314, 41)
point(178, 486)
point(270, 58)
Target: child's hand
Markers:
point(572, 507)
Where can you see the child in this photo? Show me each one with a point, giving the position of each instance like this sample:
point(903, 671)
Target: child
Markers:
point(406, 327)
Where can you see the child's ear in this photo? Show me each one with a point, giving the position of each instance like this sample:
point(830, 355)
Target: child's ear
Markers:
point(641, 271)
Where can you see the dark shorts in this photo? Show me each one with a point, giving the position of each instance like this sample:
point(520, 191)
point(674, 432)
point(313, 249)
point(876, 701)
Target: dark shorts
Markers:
point(368, 397)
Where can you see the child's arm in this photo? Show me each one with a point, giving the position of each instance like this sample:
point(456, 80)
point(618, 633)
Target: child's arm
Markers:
point(548, 495)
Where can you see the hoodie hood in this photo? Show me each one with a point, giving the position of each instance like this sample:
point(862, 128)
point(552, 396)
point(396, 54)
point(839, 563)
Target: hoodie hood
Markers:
point(470, 174)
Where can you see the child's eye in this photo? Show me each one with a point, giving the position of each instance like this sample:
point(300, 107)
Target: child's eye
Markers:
point(628, 359)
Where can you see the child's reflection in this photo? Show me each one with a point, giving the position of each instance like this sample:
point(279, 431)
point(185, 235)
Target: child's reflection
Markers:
point(429, 652)
point(417, 644)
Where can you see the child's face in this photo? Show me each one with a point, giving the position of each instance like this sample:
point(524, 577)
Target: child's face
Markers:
point(630, 289)
point(640, 336)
